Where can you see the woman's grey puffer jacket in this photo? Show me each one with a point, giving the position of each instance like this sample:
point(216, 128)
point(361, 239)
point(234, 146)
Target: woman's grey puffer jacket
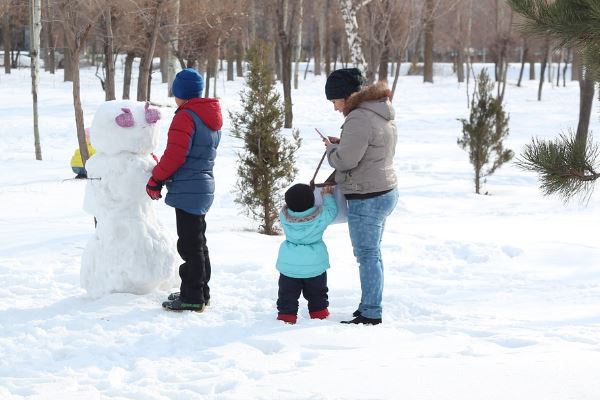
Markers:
point(364, 158)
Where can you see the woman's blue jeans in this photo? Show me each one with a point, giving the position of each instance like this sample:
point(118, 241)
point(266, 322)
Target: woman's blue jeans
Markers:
point(366, 222)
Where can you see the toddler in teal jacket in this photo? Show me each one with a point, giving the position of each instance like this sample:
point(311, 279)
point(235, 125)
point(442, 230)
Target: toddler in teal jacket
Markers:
point(303, 259)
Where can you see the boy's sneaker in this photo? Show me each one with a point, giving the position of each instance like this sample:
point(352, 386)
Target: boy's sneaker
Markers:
point(176, 295)
point(287, 318)
point(178, 305)
point(356, 313)
point(321, 314)
point(363, 321)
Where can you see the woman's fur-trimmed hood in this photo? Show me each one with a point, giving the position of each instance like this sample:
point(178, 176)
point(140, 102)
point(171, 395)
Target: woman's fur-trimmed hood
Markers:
point(376, 91)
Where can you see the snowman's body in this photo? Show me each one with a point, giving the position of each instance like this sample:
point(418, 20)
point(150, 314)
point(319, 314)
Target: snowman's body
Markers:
point(130, 250)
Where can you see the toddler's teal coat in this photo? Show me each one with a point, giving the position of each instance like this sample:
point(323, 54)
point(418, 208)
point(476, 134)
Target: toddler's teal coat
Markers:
point(303, 254)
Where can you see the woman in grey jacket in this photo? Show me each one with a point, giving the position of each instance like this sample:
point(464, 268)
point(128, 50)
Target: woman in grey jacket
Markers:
point(363, 159)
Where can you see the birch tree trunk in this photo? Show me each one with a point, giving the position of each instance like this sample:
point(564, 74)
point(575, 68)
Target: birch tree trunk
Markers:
point(36, 28)
point(349, 9)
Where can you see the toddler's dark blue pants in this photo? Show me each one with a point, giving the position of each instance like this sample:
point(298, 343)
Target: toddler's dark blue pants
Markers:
point(314, 291)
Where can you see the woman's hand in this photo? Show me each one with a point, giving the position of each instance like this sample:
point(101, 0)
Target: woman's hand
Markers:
point(333, 139)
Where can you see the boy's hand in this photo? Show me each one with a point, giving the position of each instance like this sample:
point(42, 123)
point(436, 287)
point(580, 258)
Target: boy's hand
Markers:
point(333, 139)
point(153, 189)
point(327, 190)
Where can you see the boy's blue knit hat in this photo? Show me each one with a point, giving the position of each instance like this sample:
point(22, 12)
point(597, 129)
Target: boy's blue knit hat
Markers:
point(188, 84)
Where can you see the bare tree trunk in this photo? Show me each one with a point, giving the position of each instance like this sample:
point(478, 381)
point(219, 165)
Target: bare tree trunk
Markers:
point(45, 40)
point(469, 40)
point(383, 64)
point(317, 48)
point(163, 66)
point(127, 74)
point(286, 25)
point(531, 68)
point(216, 58)
point(523, 58)
point(577, 66)
point(239, 57)
point(229, 51)
point(543, 68)
point(586, 98)
point(68, 65)
point(298, 45)
point(172, 47)
point(51, 42)
point(428, 56)
point(6, 42)
point(146, 63)
point(36, 27)
point(327, 38)
point(209, 74)
point(75, 42)
point(396, 76)
point(460, 68)
point(109, 62)
point(78, 109)
point(565, 67)
point(560, 59)
point(286, 72)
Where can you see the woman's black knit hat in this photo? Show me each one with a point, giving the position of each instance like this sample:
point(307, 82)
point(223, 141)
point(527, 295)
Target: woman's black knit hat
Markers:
point(299, 197)
point(341, 83)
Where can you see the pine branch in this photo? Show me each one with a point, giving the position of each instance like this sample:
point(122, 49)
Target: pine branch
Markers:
point(565, 166)
point(573, 22)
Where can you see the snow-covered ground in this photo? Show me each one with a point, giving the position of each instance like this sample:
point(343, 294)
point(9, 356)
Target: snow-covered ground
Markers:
point(486, 297)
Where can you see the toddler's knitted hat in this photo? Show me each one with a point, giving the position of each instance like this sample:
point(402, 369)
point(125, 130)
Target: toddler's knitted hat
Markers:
point(299, 197)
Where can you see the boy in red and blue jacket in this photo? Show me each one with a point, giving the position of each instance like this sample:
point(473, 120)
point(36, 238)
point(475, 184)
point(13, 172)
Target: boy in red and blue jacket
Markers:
point(186, 167)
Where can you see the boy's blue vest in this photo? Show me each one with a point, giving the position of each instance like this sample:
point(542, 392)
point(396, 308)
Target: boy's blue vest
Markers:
point(192, 187)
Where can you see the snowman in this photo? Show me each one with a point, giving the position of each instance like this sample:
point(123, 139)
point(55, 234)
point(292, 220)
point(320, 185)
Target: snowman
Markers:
point(130, 250)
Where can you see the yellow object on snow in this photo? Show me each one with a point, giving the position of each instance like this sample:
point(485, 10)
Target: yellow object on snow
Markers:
point(76, 160)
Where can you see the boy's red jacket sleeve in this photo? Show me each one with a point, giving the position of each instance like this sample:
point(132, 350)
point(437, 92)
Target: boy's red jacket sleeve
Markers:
point(178, 144)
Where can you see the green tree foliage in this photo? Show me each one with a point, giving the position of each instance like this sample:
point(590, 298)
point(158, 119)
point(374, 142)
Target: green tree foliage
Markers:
point(572, 22)
point(566, 165)
point(484, 131)
point(267, 164)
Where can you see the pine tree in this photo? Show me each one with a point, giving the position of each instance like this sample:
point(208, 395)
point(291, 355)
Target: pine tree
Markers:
point(267, 164)
point(485, 130)
point(566, 166)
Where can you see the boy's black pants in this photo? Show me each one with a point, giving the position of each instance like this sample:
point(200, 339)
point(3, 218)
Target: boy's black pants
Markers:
point(191, 245)
point(313, 289)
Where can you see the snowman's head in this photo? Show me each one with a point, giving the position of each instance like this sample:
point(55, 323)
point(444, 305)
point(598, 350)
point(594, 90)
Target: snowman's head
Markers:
point(125, 126)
